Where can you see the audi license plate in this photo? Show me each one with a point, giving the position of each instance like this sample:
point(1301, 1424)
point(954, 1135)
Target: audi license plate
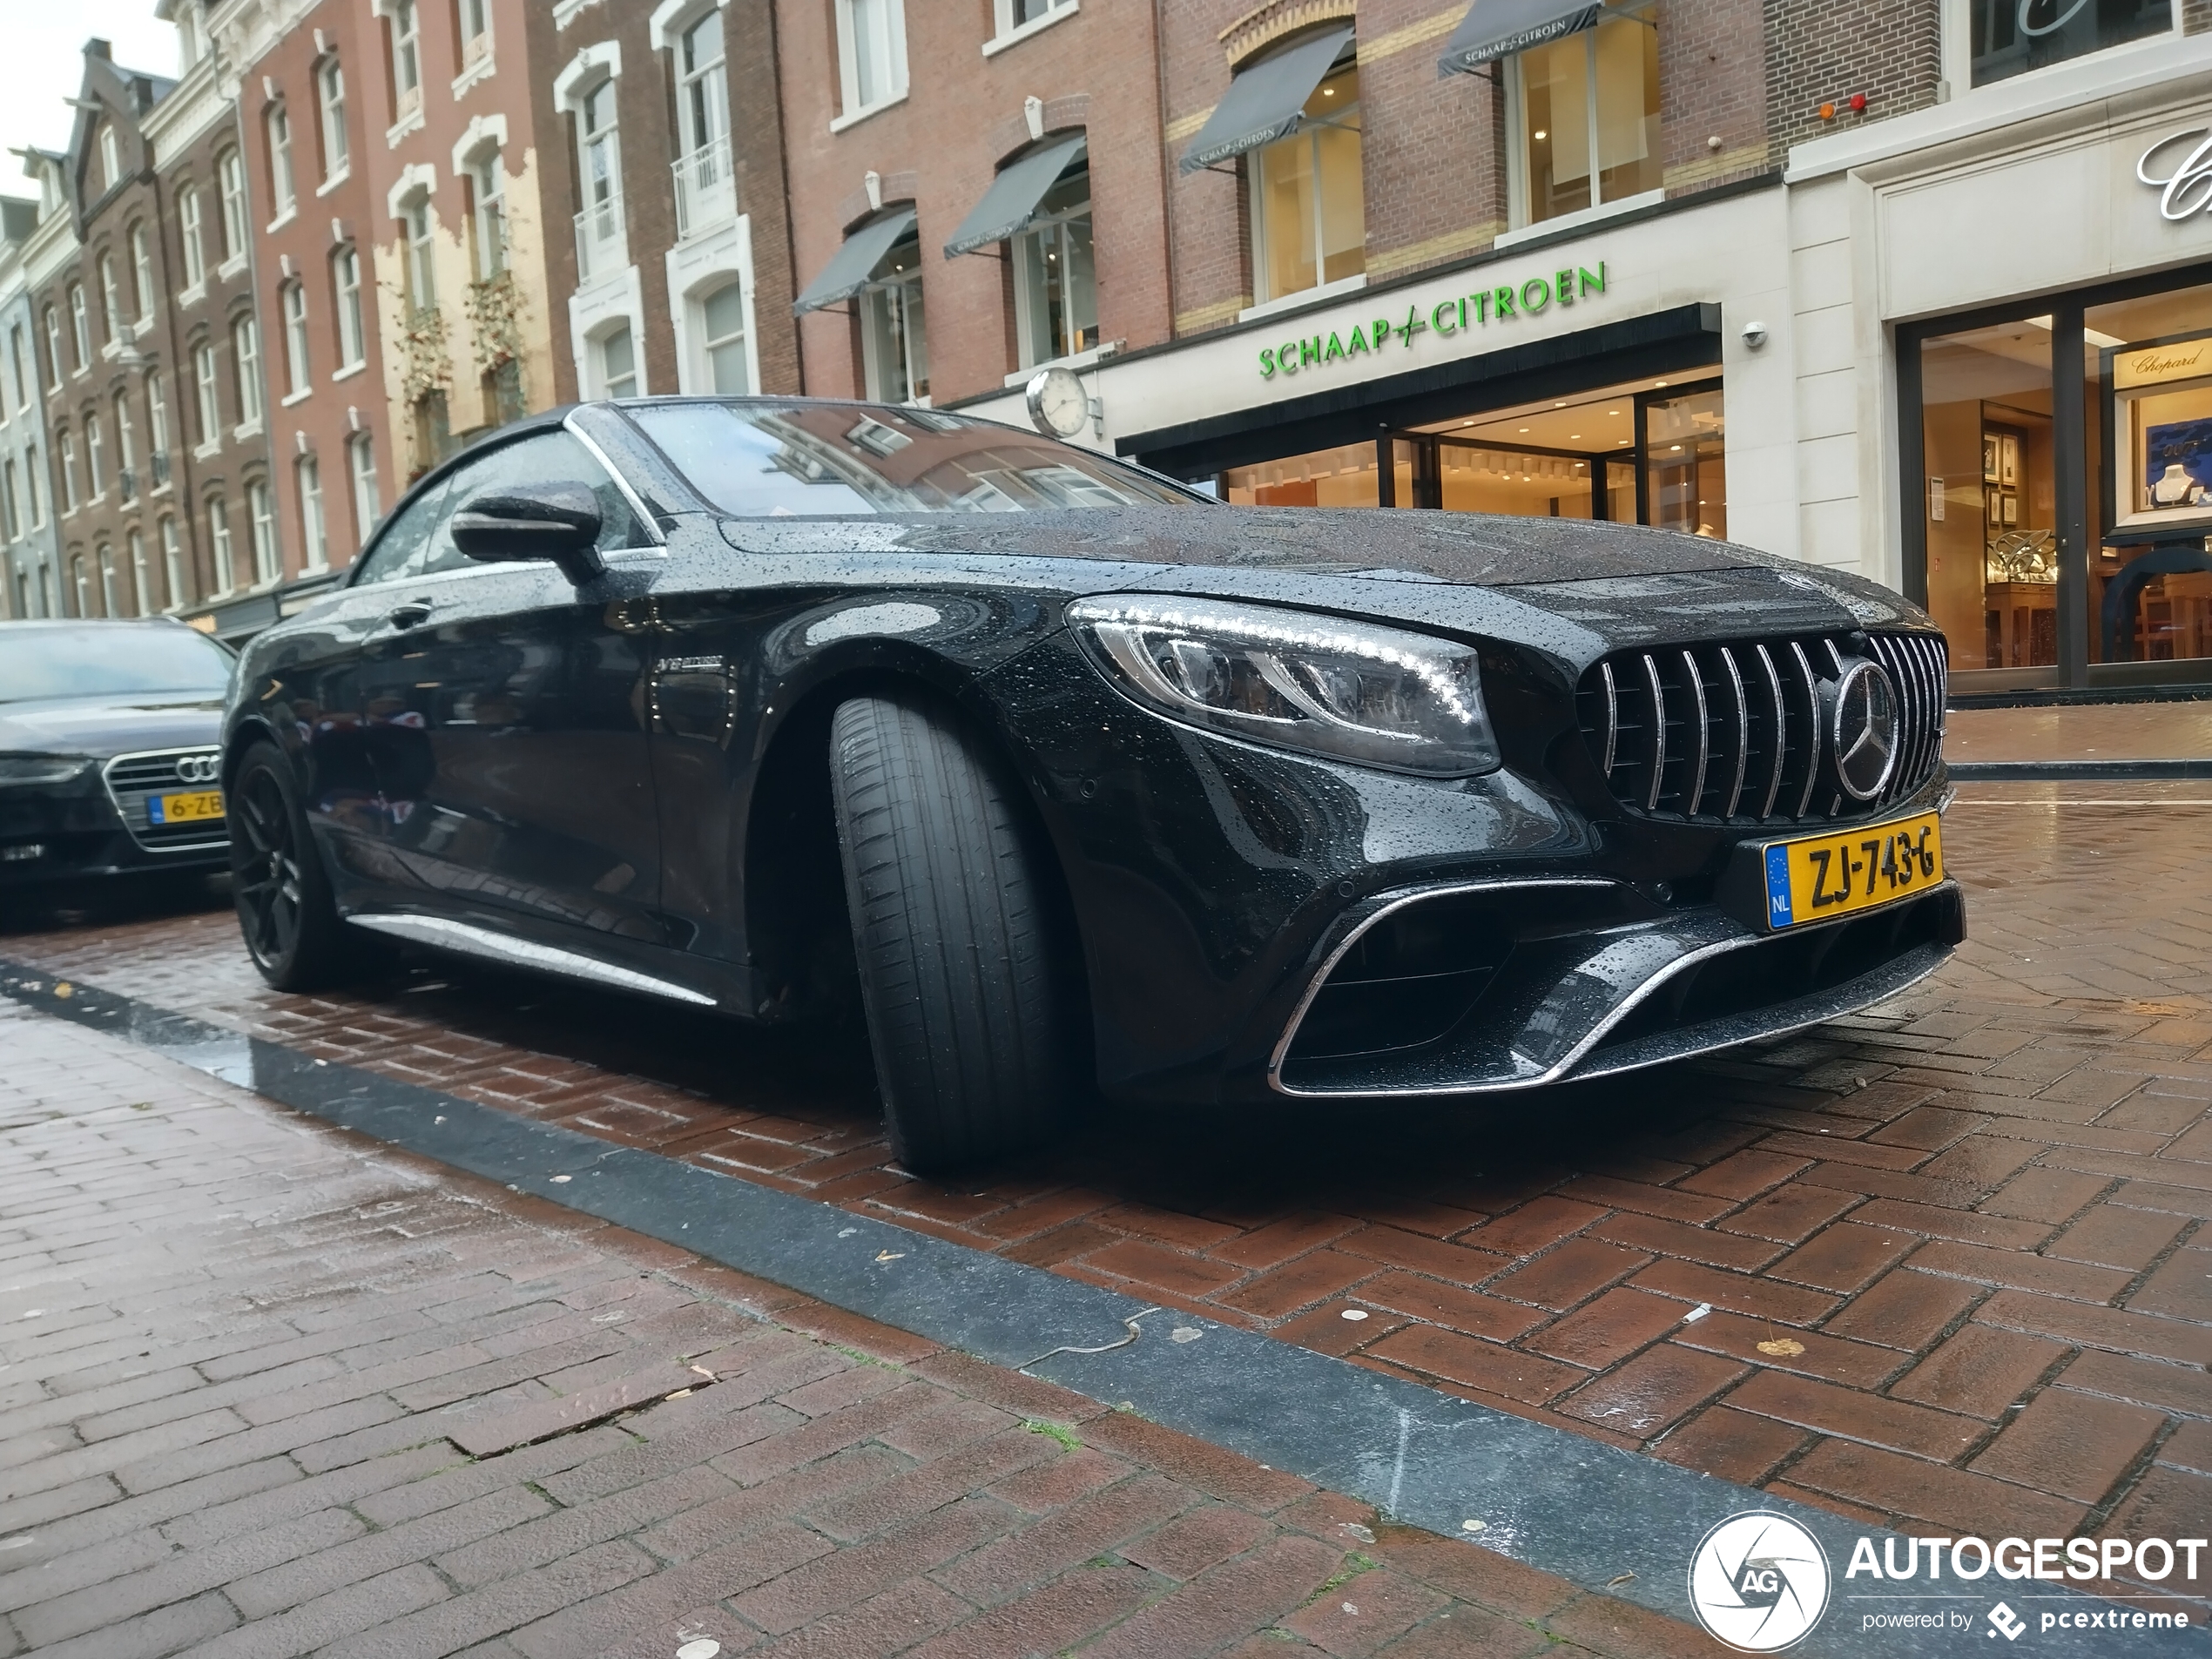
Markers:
point(192, 808)
point(1821, 877)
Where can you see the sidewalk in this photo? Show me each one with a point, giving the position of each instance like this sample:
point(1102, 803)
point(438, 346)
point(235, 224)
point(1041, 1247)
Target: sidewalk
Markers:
point(2105, 732)
point(268, 1389)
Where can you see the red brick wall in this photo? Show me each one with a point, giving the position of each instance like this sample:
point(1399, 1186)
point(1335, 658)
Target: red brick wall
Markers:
point(1712, 93)
point(943, 134)
point(1887, 49)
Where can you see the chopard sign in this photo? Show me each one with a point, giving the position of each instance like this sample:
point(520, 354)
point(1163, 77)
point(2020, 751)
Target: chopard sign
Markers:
point(2185, 190)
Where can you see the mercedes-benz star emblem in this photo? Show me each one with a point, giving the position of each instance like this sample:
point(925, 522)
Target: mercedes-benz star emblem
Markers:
point(1862, 730)
point(198, 769)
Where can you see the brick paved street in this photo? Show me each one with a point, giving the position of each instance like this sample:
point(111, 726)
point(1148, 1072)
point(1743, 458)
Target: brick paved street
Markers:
point(1966, 1227)
point(268, 1389)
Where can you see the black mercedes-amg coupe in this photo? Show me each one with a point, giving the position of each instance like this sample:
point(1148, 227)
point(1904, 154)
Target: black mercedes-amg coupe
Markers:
point(108, 756)
point(1080, 778)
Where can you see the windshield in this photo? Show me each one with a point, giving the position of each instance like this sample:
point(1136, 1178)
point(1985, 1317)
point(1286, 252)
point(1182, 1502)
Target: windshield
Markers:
point(827, 460)
point(39, 660)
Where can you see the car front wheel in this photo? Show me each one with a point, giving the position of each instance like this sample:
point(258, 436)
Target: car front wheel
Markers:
point(290, 926)
point(953, 937)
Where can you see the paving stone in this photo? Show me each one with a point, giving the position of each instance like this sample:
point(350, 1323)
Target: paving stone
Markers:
point(1732, 1444)
point(1980, 1371)
point(2071, 1444)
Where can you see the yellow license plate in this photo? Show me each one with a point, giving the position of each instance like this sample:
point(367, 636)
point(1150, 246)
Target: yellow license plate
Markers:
point(186, 809)
point(1825, 876)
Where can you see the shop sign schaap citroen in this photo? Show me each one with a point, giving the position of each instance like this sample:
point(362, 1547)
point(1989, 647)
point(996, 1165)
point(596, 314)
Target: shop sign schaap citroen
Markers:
point(1501, 306)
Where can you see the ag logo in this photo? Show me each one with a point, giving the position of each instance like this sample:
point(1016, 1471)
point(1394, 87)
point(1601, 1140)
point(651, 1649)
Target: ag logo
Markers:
point(1759, 1582)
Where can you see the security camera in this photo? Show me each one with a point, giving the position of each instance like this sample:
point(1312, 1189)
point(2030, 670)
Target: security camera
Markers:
point(1754, 334)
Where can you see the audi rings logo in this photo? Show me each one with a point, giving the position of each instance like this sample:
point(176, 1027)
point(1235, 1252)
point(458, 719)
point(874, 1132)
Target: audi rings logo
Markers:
point(1862, 730)
point(1759, 1582)
point(199, 768)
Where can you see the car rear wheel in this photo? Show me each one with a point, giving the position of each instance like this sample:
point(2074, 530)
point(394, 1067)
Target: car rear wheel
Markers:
point(951, 932)
point(285, 911)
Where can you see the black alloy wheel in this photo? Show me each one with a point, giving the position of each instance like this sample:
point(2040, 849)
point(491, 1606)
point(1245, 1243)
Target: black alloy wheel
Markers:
point(953, 932)
point(291, 928)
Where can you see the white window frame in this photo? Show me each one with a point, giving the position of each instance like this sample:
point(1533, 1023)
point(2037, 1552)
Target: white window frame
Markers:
point(602, 387)
point(361, 470)
point(80, 328)
point(111, 158)
point(142, 271)
point(893, 40)
point(346, 293)
point(419, 235)
point(111, 298)
point(173, 561)
point(69, 470)
point(475, 43)
point(407, 57)
point(95, 456)
point(157, 416)
point(104, 562)
point(230, 170)
point(1256, 206)
point(37, 501)
point(191, 216)
point(54, 368)
point(1955, 30)
point(246, 359)
point(141, 578)
point(487, 176)
point(261, 520)
point(207, 394)
point(218, 543)
point(298, 373)
point(126, 447)
point(1008, 32)
point(284, 188)
point(307, 476)
point(1517, 208)
point(14, 363)
point(330, 103)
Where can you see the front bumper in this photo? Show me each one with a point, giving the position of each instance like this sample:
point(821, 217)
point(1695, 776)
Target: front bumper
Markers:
point(100, 825)
point(1481, 988)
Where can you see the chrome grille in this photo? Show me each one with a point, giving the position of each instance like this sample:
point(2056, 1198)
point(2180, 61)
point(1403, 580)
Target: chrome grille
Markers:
point(1734, 731)
point(133, 780)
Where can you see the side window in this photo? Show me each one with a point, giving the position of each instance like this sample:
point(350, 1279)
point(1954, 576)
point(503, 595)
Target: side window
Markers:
point(402, 549)
point(548, 458)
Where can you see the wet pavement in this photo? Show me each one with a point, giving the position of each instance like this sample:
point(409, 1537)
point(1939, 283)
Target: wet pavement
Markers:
point(2092, 732)
point(267, 1388)
point(1950, 1249)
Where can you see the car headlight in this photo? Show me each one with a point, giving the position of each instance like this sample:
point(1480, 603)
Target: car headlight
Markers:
point(1348, 690)
point(31, 770)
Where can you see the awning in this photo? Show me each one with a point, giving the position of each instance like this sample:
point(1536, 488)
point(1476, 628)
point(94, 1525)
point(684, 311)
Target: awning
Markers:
point(1496, 29)
point(1264, 100)
point(852, 266)
point(1011, 202)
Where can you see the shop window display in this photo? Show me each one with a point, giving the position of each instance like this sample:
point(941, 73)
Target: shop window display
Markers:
point(2148, 364)
point(2013, 36)
point(1987, 494)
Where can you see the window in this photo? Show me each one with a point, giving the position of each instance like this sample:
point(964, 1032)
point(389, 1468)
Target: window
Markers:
point(195, 249)
point(1309, 209)
point(111, 158)
point(111, 601)
point(157, 429)
point(69, 470)
point(53, 349)
point(16, 367)
point(94, 457)
point(82, 588)
point(80, 328)
point(618, 364)
point(262, 522)
point(488, 199)
point(2013, 36)
point(476, 30)
point(142, 274)
point(1017, 14)
point(218, 543)
point(172, 562)
point(1055, 288)
point(31, 488)
point(141, 577)
point(232, 171)
point(418, 541)
point(330, 94)
point(599, 153)
point(10, 511)
point(703, 95)
point(895, 349)
point(421, 276)
point(1588, 117)
point(871, 52)
point(346, 282)
point(283, 195)
point(211, 418)
point(724, 317)
point(361, 461)
point(246, 354)
point(126, 448)
point(295, 337)
point(314, 544)
point(407, 57)
point(110, 298)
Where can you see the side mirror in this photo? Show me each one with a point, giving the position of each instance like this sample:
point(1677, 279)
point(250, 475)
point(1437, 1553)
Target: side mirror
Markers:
point(558, 522)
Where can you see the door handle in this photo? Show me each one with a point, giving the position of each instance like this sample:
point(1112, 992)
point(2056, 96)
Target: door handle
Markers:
point(413, 614)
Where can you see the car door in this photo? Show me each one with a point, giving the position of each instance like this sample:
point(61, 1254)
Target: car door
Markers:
point(506, 714)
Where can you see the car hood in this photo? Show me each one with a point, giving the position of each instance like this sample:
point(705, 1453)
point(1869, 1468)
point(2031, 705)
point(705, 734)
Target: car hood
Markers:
point(110, 725)
point(1571, 586)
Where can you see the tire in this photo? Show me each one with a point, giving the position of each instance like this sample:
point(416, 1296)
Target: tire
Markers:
point(951, 933)
point(285, 910)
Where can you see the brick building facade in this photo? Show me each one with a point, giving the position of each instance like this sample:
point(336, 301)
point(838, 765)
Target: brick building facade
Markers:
point(299, 70)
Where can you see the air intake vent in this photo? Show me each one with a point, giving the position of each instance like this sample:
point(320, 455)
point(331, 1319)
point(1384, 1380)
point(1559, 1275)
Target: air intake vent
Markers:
point(1744, 732)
